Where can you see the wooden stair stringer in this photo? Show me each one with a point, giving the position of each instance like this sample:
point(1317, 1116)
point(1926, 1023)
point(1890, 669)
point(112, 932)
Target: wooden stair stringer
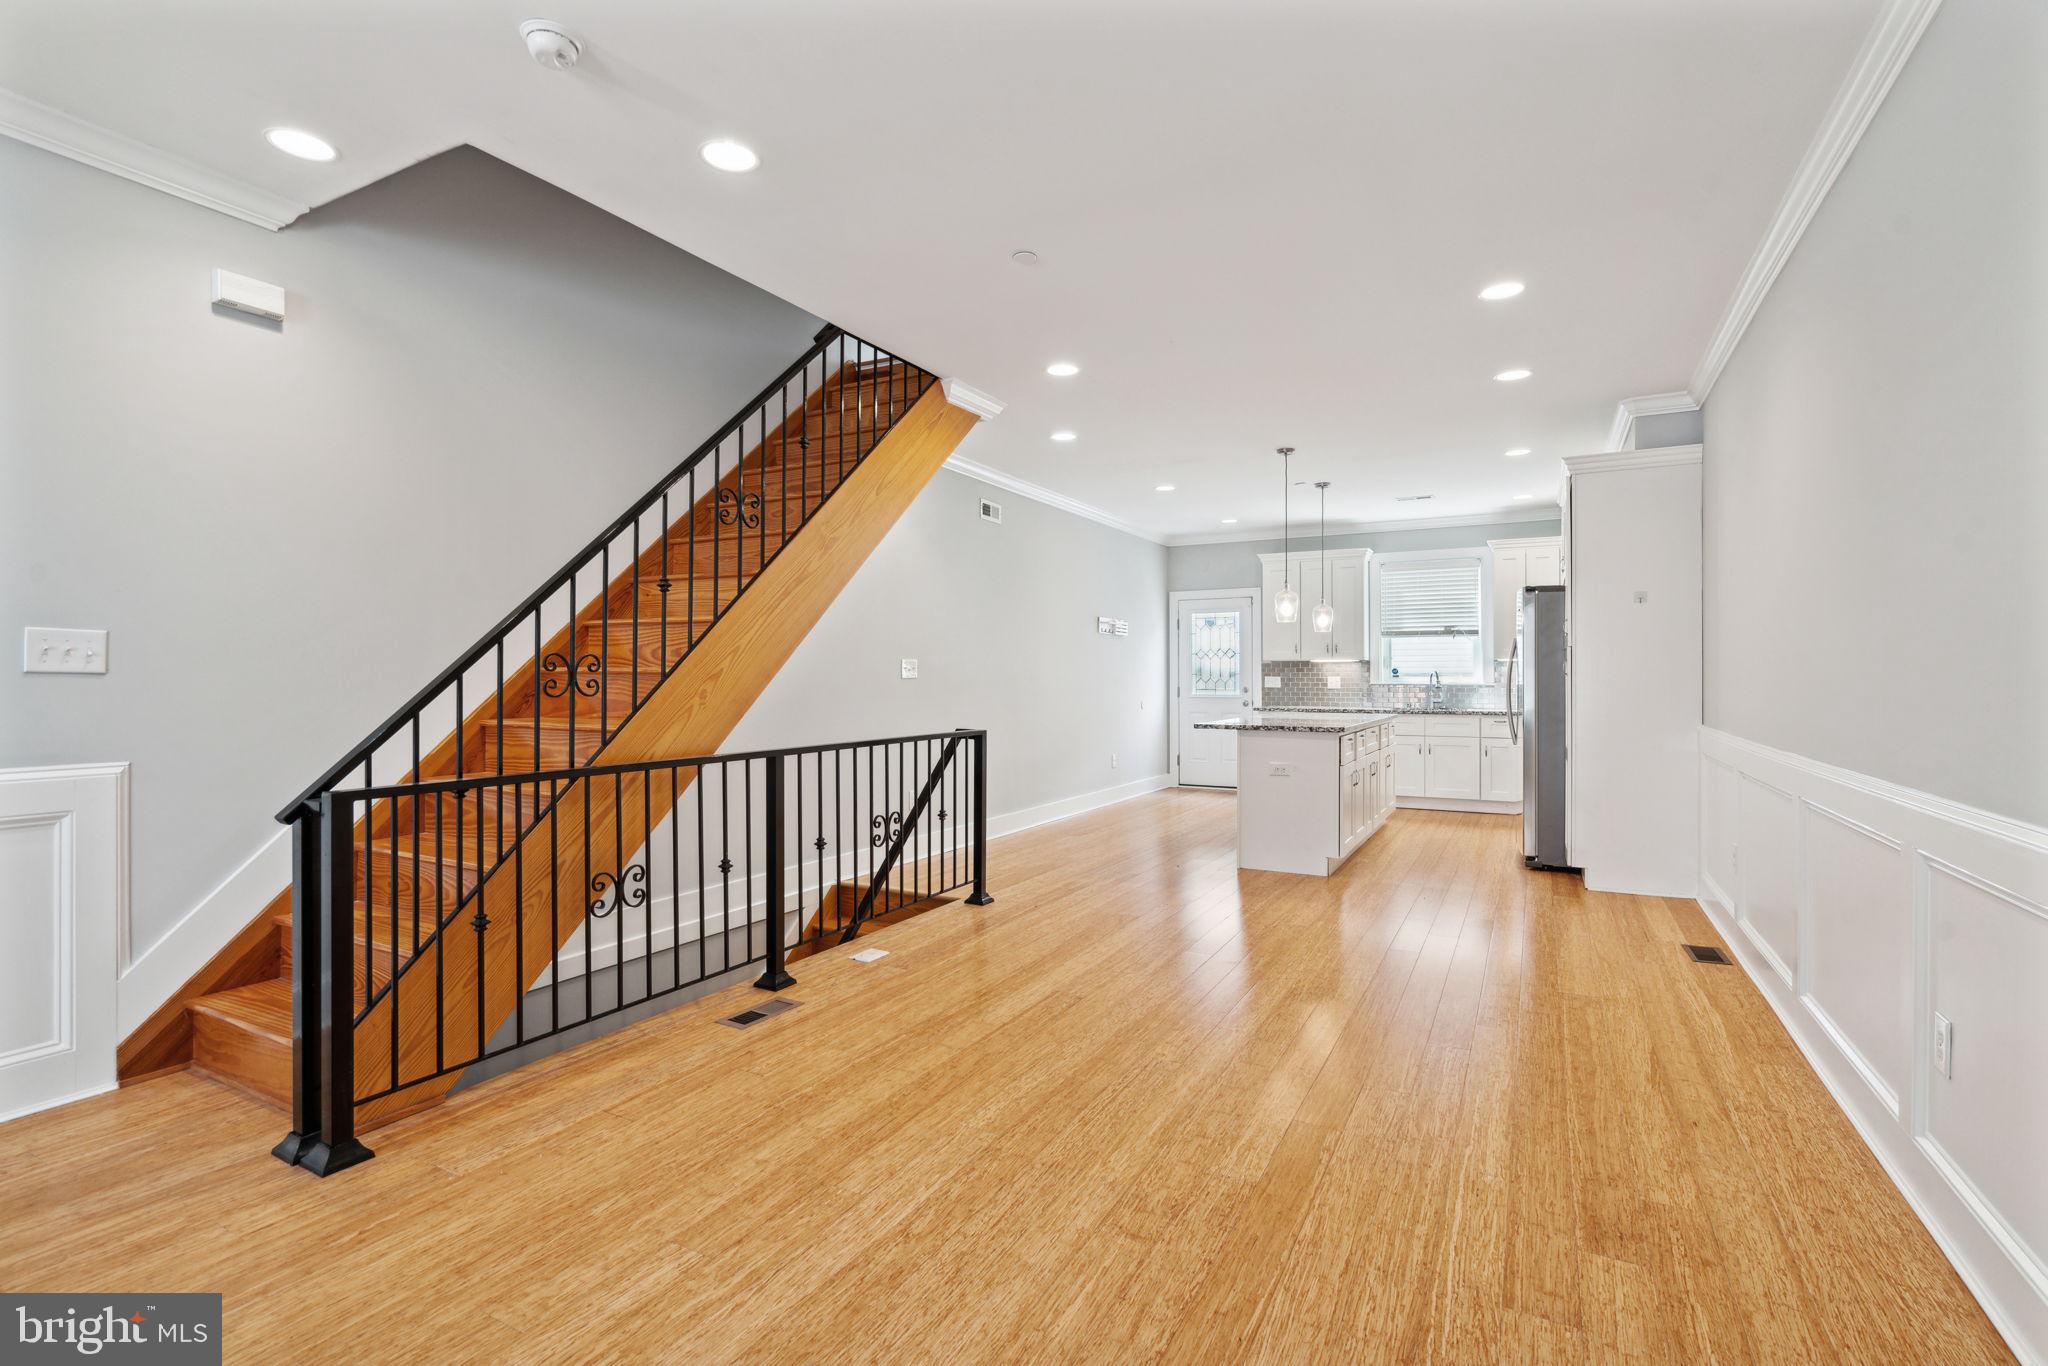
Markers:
point(692, 712)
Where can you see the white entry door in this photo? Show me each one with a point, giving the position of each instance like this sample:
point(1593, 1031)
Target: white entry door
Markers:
point(1214, 655)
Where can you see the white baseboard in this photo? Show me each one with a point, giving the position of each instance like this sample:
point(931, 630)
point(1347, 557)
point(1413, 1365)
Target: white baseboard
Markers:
point(1029, 817)
point(153, 976)
point(1456, 804)
point(1834, 891)
point(54, 1101)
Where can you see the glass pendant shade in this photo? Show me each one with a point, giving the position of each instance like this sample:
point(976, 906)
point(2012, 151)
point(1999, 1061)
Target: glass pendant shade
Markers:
point(1323, 618)
point(1286, 606)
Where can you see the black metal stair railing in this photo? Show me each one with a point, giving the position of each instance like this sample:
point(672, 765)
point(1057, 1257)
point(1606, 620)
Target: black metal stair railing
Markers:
point(709, 865)
point(545, 690)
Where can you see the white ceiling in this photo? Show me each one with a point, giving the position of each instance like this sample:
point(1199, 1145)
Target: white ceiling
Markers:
point(1259, 223)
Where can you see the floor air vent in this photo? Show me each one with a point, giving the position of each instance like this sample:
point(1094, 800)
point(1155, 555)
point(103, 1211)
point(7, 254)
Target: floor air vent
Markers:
point(1706, 953)
point(755, 1014)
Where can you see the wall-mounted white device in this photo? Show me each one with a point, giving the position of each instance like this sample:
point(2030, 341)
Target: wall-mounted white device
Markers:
point(245, 295)
point(910, 668)
point(61, 650)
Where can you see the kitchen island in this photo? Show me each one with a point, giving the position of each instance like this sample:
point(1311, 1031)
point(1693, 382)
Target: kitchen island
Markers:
point(1311, 788)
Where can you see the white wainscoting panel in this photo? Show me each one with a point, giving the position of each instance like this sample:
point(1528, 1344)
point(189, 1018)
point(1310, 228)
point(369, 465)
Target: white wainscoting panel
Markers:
point(1767, 871)
point(63, 884)
point(1861, 909)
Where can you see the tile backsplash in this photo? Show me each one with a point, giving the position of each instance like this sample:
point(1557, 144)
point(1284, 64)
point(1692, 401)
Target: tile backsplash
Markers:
point(1306, 684)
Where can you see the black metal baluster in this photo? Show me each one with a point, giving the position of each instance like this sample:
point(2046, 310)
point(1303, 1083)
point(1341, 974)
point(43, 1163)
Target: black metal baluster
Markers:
point(663, 584)
point(647, 881)
point(703, 930)
point(520, 979)
point(747, 843)
point(572, 672)
point(590, 879)
point(725, 864)
point(618, 889)
point(633, 688)
point(717, 521)
point(554, 906)
point(675, 876)
point(693, 561)
point(604, 652)
point(478, 921)
point(369, 948)
point(980, 896)
point(799, 846)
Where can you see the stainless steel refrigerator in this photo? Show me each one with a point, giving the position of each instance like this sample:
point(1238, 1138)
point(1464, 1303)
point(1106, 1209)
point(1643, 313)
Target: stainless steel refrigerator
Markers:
point(1536, 671)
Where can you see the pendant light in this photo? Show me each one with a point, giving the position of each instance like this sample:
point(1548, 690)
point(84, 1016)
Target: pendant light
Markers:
point(1286, 602)
point(1324, 618)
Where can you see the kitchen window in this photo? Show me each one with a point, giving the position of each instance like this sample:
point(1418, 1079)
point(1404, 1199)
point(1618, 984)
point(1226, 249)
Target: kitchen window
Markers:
point(1428, 612)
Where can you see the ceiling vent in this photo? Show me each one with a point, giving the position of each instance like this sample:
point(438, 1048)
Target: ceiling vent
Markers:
point(991, 512)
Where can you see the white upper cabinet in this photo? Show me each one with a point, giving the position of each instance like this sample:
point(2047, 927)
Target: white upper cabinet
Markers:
point(1534, 561)
point(1295, 640)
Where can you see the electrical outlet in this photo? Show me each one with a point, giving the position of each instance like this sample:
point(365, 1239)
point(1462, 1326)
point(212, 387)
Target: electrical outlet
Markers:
point(1112, 758)
point(910, 668)
point(1333, 681)
point(1944, 1046)
point(59, 650)
point(1272, 680)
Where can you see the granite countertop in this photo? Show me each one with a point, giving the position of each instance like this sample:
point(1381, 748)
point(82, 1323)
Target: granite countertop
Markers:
point(1355, 721)
point(1394, 711)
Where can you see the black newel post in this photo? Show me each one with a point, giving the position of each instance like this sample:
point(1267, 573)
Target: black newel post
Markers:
point(337, 1146)
point(775, 977)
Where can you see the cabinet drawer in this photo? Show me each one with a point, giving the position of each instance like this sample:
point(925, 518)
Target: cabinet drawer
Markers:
point(1410, 725)
point(1453, 725)
point(1369, 740)
point(1349, 746)
point(1494, 728)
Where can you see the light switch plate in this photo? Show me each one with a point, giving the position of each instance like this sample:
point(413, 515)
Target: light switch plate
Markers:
point(1272, 680)
point(63, 650)
point(910, 668)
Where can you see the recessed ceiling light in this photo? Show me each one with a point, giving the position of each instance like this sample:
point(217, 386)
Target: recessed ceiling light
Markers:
point(1519, 450)
point(1510, 376)
point(1230, 521)
point(728, 155)
point(1504, 289)
point(300, 143)
point(1062, 368)
point(1162, 488)
point(1024, 258)
point(1522, 496)
point(1063, 436)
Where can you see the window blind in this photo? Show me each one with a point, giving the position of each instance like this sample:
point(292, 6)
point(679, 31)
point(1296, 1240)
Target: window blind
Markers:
point(1430, 598)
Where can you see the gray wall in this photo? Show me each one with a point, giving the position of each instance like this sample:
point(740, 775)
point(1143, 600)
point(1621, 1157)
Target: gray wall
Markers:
point(289, 530)
point(1235, 564)
point(1876, 587)
point(1001, 619)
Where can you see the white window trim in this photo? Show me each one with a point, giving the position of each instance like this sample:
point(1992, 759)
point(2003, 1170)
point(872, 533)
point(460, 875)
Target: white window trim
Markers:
point(1380, 559)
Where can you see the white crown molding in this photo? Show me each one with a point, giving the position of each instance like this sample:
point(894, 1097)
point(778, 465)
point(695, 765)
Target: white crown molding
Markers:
point(1040, 494)
point(1647, 405)
point(55, 131)
point(1884, 53)
point(966, 396)
point(1545, 512)
point(1656, 456)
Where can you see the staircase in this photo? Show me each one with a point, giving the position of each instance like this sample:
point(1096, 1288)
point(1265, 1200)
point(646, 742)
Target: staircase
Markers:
point(652, 642)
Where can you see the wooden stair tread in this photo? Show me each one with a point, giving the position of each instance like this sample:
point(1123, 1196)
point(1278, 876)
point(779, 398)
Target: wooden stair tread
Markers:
point(261, 1008)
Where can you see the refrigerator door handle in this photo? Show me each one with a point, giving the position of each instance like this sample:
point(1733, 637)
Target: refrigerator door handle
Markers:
point(1514, 707)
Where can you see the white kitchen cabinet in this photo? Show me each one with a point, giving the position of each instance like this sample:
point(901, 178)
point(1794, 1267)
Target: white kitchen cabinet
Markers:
point(1500, 770)
point(1410, 779)
point(1304, 569)
point(1385, 798)
point(1451, 766)
point(1527, 562)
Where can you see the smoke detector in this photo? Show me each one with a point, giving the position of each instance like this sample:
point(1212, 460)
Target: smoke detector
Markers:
point(550, 44)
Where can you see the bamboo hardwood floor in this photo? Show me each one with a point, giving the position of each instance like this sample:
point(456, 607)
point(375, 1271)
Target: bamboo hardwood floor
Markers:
point(1144, 1107)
